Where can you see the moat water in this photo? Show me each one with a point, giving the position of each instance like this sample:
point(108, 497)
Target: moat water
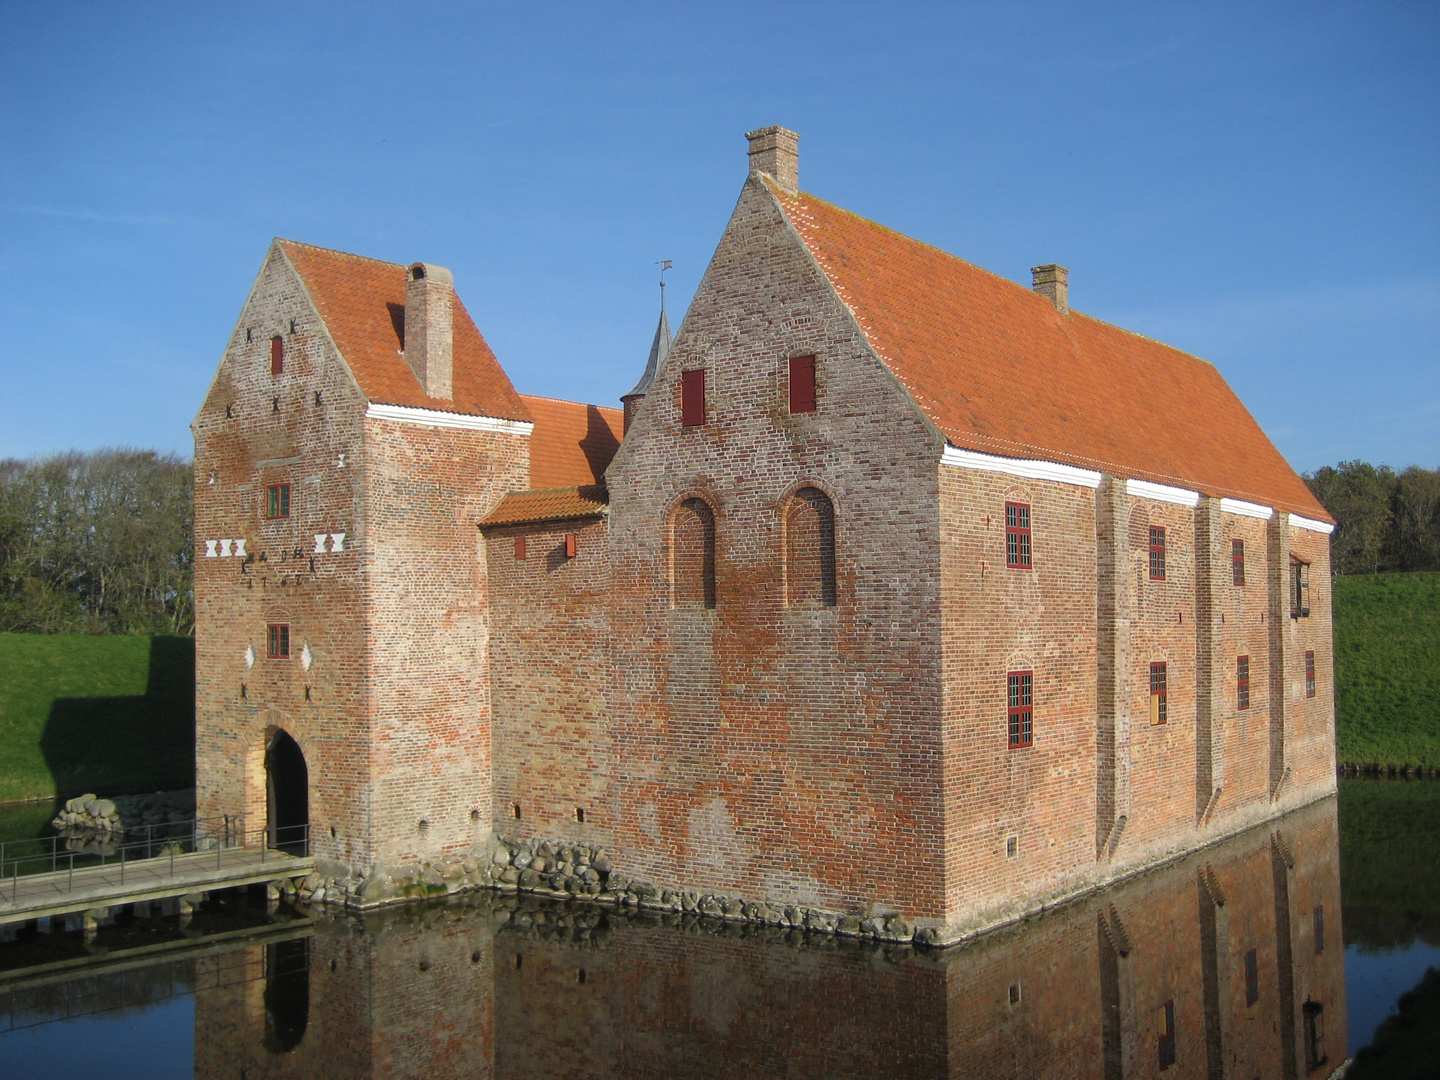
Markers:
point(1279, 953)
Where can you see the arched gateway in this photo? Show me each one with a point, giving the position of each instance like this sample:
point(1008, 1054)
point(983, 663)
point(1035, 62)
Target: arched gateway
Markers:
point(287, 795)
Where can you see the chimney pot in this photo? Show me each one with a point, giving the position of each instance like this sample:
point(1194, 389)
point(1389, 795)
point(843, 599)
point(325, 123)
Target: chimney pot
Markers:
point(775, 151)
point(430, 328)
point(1052, 282)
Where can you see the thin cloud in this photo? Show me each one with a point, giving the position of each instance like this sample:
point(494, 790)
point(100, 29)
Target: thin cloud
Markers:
point(84, 213)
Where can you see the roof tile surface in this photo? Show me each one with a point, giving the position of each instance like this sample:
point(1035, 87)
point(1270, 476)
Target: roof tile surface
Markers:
point(363, 304)
point(999, 370)
point(572, 443)
point(556, 504)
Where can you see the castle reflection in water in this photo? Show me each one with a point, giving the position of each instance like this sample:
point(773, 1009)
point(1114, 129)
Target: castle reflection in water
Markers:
point(1226, 964)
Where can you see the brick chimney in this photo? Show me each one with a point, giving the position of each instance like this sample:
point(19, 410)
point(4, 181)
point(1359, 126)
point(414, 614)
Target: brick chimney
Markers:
point(1052, 282)
point(430, 328)
point(775, 151)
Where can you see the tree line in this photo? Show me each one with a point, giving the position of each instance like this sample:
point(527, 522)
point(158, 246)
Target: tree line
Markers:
point(1386, 520)
point(103, 542)
point(97, 543)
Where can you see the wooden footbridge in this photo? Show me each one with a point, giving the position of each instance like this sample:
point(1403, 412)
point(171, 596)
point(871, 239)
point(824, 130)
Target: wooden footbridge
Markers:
point(175, 860)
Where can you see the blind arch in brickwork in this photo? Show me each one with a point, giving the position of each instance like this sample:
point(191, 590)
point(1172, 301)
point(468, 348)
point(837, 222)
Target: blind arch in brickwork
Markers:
point(809, 518)
point(692, 554)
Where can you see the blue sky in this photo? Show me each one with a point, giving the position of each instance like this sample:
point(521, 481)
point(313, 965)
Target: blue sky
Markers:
point(1253, 182)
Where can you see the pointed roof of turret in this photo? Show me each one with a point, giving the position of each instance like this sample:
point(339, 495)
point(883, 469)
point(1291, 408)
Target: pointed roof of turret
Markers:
point(659, 350)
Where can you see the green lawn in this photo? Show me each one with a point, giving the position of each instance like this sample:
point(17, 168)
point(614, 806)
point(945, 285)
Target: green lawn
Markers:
point(1387, 669)
point(81, 712)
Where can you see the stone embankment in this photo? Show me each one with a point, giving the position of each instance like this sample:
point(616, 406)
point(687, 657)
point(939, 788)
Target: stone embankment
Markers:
point(90, 821)
point(1409, 772)
point(581, 872)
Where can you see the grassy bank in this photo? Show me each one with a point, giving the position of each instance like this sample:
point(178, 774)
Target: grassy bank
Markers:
point(1387, 669)
point(82, 712)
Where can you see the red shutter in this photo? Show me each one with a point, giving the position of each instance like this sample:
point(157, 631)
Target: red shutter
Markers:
point(802, 384)
point(519, 547)
point(692, 397)
point(570, 545)
point(277, 355)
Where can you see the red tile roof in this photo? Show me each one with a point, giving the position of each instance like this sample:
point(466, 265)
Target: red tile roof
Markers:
point(553, 505)
point(572, 443)
point(363, 304)
point(999, 370)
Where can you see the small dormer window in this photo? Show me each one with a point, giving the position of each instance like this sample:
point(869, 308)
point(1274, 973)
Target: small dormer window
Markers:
point(277, 355)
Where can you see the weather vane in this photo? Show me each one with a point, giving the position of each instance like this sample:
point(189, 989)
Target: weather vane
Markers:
point(664, 265)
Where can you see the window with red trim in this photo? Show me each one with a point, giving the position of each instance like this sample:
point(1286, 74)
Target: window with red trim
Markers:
point(277, 641)
point(1017, 535)
point(1158, 709)
point(802, 384)
point(1252, 977)
point(1022, 721)
point(1237, 562)
point(1166, 1039)
point(277, 355)
point(1309, 674)
point(1157, 553)
point(277, 501)
point(1242, 682)
point(692, 397)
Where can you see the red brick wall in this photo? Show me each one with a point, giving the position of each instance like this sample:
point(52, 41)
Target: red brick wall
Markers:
point(237, 457)
point(549, 647)
point(789, 753)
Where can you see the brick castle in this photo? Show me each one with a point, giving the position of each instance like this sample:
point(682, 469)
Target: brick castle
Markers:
point(897, 590)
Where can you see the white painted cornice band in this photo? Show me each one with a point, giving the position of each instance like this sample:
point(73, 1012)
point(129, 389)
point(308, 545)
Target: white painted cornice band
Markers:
point(1246, 509)
point(1144, 489)
point(404, 414)
point(1298, 522)
point(1031, 470)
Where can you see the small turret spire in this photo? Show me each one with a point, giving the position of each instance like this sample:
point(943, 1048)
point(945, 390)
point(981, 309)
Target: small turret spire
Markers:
point(659, 350)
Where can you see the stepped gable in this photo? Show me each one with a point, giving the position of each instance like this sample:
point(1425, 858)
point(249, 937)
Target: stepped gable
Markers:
point(999, 370)
point(363, 304)
point(572, 442)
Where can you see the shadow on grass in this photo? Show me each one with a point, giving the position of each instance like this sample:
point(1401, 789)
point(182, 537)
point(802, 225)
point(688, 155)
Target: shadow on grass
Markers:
point(126, 745)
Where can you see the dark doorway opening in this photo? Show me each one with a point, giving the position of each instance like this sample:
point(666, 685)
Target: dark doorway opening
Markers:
point(287, 994)
point(287, 795)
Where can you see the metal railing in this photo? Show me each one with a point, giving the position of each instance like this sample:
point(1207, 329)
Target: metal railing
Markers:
point(196, 836)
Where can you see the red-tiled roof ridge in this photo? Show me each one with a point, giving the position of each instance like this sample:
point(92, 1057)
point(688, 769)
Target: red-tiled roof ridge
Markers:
point(999, 370)
point(572, 443)
point(362, 303)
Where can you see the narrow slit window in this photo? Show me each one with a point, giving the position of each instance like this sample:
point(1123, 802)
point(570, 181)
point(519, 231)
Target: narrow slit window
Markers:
point(1242, 682)
point(1319, 922)
point(519, 549)
point(277, 641)
point(1252, 977)
point(1157, 553)
point(1166, 1035)
point(1315, 1055)
point(802, 384)
point(1021, 714)
point(1309, 674)
point(692, 397)
point(277, 502)
point(1158, 710)
point(1237, 562)
point(1299, 590)
point(277, 355)
point(1017, 535)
